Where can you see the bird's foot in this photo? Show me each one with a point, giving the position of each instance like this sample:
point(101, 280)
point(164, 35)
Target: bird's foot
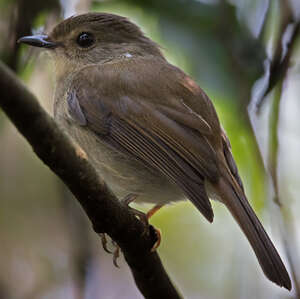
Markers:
point(144, 218)
point(115, 252)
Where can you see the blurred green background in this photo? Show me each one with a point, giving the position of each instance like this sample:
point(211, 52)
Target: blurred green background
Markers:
point(48, 249)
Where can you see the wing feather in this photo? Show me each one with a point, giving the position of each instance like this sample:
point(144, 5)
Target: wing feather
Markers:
point(157, 154)
point(144, 143)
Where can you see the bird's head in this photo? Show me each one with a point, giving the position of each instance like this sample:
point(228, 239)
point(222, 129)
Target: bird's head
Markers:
point(93, 38)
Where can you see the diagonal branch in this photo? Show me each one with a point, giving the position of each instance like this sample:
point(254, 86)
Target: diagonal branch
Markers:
point(104, 210)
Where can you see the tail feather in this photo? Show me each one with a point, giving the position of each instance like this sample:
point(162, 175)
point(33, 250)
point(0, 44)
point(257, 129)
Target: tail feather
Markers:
point(235, 200)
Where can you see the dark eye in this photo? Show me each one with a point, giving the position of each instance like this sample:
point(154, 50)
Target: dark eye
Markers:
point(85, 39)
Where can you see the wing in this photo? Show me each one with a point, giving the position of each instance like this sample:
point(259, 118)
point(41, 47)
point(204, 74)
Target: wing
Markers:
point(168, 136)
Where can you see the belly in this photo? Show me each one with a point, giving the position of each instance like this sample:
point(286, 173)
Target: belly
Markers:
point(124, 174)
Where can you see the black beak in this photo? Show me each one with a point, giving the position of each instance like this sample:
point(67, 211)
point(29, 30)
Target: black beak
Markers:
point(38, 41)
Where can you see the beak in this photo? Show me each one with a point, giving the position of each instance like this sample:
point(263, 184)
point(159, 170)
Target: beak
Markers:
point(38, 41)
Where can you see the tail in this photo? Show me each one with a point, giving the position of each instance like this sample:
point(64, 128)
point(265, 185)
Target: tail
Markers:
point(235, 200)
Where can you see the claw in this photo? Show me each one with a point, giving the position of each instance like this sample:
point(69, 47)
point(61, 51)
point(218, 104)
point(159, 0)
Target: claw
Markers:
point(115, 253)
point(104, 242)
point(116, 256)
point(157, 235)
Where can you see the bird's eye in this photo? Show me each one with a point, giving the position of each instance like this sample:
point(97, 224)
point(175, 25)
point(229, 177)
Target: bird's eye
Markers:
point(85, 39)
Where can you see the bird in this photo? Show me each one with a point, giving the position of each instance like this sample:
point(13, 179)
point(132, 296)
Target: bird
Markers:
point(146, 126)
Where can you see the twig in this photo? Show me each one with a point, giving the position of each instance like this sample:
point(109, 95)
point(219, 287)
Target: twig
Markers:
point(104, 210)
point(278, 65)
point(278, 68)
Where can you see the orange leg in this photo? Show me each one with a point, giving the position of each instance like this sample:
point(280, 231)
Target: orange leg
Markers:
point(151, 212)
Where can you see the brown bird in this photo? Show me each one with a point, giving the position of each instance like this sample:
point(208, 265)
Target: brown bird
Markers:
point(145, 125)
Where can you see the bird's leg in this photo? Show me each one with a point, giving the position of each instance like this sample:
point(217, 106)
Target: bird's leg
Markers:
point(143, 218)
point(152, 211)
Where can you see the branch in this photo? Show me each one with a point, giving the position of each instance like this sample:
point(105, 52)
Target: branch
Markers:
point(105, 211)
point(279, 64)
point(279, 67)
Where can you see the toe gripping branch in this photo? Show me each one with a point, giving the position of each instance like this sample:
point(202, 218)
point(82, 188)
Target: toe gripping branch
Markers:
point(154, 233)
